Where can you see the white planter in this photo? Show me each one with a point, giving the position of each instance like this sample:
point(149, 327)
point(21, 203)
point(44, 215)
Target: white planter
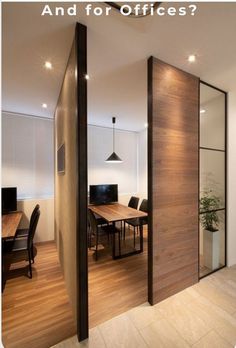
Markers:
point(211, 249)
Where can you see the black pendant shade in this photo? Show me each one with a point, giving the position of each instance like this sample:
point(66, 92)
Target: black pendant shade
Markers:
point(114, 158)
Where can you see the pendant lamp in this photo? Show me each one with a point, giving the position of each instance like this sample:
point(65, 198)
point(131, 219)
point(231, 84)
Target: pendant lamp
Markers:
point(114, 158)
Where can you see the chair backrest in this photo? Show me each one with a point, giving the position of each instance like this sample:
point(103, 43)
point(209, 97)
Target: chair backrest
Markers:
point(144, 206)
point(92, 221)
point(36, 208)
point(133, 202)
point(32, 228)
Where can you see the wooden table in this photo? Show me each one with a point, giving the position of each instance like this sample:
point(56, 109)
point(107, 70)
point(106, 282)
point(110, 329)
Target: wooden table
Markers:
point(113, 213)
point(10, 223)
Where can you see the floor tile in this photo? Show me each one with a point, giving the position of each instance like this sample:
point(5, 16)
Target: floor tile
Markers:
point(95, 341)
point(212, 339)
point(212, 314)
point(144, 315)
point(188, 324)
point(161, 334)
point(216, 295)
point(228, 332)
point(121, 332)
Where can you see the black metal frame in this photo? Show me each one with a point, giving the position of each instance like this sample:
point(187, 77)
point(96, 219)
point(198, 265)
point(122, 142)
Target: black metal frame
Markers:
point(81, 189)
point(150, 180)
point(225, 171)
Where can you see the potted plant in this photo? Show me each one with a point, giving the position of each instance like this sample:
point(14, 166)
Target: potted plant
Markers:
point(208, 216)
point(209, 219)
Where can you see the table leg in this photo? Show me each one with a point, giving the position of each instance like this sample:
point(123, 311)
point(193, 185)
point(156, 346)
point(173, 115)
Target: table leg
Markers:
point(113, 240)
point(141, 237)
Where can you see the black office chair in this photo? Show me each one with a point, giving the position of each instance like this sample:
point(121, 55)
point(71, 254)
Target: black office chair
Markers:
point(24, 231)
point(97, 230)
point(100, 220)
point(133, 203)
point(26, 244)
point(137, 222)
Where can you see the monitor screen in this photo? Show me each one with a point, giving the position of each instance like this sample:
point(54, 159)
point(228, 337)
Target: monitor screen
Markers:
point(9, 199)
point(103, 194)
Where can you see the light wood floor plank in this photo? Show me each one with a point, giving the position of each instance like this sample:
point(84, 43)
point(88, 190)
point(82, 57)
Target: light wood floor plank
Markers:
point(36, 312)
point(115, 286)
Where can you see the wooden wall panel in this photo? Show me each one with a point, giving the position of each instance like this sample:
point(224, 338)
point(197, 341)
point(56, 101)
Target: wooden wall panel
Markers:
point(71, 187)
point(173, 179)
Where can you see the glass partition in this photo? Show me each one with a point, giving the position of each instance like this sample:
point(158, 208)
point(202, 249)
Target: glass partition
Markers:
point(212, 183)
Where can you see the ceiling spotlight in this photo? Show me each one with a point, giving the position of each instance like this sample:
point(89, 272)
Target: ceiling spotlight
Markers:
point(44, 106)
point(192, 58)
point(87, 77)
point(48, 65)
point(202, 111)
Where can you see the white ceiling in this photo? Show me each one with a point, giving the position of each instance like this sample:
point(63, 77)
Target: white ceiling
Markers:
point(118, 48)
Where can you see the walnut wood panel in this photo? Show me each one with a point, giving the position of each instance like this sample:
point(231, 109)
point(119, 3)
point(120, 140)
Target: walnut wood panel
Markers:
point(36, 313)
point(116, 212)
point(10, 223)
point(173, 113)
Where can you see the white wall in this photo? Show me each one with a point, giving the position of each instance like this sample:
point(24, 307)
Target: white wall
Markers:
point(28, 164)
point(45, 228)
point(232, 178)
point(27, 155)
point(100, 147)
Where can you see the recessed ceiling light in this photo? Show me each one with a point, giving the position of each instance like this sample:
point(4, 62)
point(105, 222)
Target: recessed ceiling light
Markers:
point(202, 111)
point(87, 77)
point(44, 106)
point(48, 65)
point(146, 125)
point(192, 58)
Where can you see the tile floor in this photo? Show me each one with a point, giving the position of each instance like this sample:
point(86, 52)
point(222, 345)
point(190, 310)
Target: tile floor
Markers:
point(202, 316)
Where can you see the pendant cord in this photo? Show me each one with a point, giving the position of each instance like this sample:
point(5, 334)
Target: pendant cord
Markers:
point(113, 137)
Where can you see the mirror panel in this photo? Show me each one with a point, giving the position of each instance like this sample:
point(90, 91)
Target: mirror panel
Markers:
point(212, 176)
point(212, 118)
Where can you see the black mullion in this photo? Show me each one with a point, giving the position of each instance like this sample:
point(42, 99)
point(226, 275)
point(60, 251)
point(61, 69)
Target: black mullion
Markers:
point(211, 149)
point(211, 211)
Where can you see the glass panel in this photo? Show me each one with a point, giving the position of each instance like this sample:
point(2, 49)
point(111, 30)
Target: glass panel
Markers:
point(212, 118)
point(212, 241)
point(212, 178)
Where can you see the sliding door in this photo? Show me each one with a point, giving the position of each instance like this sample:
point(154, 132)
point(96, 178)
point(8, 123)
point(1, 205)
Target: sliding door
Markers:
point(71, 180)
point(173, 119)
point(212, 190)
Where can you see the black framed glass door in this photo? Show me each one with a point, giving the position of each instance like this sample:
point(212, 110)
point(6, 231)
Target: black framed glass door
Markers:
point(212, 180)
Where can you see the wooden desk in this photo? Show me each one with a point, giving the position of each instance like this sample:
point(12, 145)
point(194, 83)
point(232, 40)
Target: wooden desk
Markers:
point(119, 212)
point(116, 212)
point(10, 223)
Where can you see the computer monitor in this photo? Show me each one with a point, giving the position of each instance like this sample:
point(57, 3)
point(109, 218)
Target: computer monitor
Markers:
point(9, 199)
point(103, 194)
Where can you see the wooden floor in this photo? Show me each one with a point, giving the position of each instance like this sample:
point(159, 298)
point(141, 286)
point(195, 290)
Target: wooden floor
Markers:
point(202, 316)
point(116, 286)
point(36, 312)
